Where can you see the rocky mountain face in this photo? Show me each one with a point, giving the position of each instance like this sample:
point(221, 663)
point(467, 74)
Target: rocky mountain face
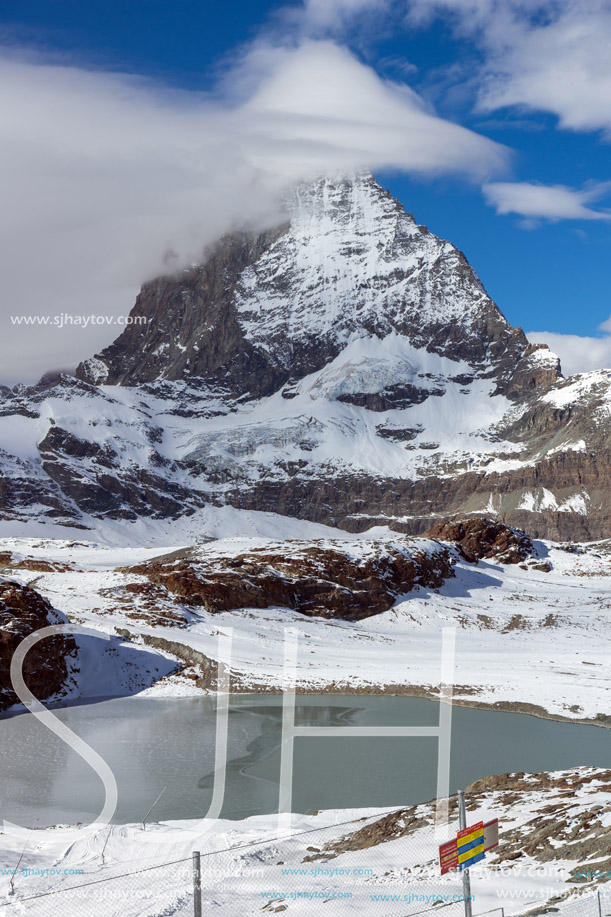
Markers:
point(346, 367)
point(22, 611)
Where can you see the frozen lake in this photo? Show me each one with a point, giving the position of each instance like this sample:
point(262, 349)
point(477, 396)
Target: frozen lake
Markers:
point(152, 743)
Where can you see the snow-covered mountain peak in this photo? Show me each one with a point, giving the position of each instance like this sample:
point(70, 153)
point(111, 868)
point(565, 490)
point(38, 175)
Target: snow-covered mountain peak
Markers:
point(353, 258)
point(346, 197)
point(264, 310)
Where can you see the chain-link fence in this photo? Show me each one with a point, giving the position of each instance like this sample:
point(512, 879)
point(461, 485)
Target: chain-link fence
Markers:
point(160, 889)
point(384, 864)
point(376, 865)
point(580, 904)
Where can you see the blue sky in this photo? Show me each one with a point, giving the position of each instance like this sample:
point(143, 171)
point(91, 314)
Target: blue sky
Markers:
point(531, 213)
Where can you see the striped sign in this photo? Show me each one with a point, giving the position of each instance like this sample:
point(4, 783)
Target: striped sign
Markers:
point(470, 845)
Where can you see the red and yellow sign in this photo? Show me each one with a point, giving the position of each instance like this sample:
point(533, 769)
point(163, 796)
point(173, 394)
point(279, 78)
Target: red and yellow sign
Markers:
point(448, 856)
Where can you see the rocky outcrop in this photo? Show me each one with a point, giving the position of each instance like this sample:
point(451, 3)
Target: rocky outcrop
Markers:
point(86, 473)
point(23, 611)
point(485, 538)
point(538, 368)
point(324, 579)
point(13, 561)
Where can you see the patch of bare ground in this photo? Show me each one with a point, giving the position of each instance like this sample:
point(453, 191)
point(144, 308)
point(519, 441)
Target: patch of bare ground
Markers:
point(516, 622)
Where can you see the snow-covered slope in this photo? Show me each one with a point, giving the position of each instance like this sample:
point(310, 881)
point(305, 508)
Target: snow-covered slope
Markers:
point(384, 433)
point(530, 637)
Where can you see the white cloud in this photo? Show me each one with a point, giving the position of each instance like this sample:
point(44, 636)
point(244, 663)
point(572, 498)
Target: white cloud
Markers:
point(101, 174)
point(578, 354)
point(550, 202)
point(547, 55)
point(562, 66)
point(542, 55)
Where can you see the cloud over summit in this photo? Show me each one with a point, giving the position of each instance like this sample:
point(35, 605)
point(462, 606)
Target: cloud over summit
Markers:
point(103, 173)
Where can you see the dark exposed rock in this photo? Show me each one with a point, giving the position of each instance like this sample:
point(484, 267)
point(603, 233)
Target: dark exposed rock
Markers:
point(58, 441)
point(87, 473)
point(394, 397)
point(536, 369)
point(184, 326)
point(141, 493)
point(23, 611)
point(314, 579)
point(20, 495)
point(485, 538)
point(359, 501)
point(398, 434)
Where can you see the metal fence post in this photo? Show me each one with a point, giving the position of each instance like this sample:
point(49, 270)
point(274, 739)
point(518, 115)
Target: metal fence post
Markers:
point(466, 881)
point(197, 884)
point(598, 897)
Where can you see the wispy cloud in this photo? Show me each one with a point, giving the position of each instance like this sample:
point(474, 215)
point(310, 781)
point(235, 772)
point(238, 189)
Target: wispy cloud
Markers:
point(545, 55)
point(547, 202)
point(331, 16)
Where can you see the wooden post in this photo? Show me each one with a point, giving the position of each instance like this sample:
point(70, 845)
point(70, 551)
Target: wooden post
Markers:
point(197, 884)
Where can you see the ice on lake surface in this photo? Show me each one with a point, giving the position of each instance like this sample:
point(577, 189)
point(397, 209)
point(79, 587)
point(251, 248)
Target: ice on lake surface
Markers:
point(154, 743)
